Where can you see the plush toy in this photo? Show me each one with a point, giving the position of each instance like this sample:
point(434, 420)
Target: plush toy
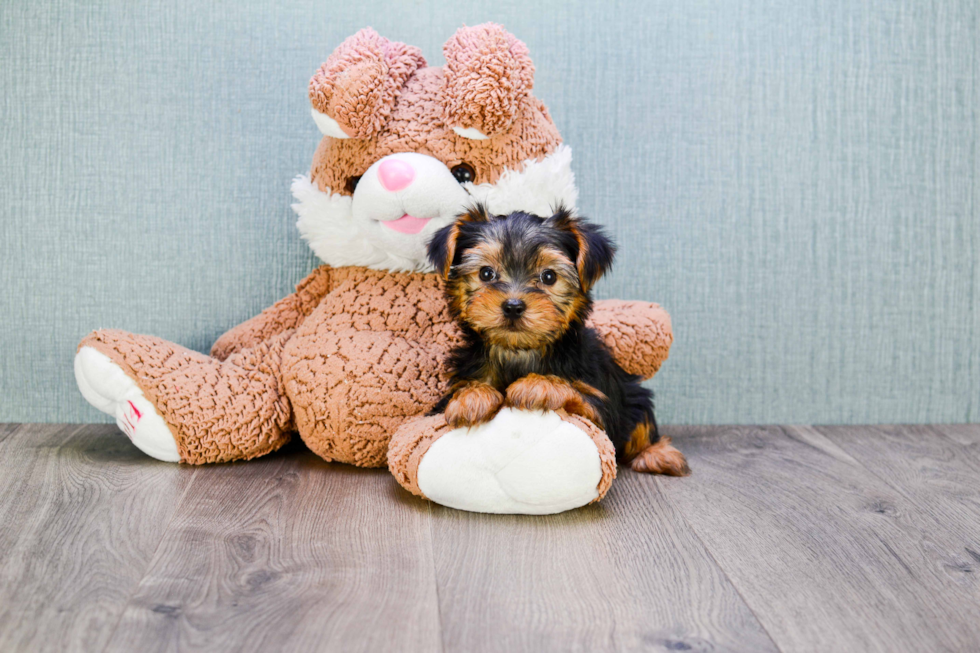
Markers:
point(354, 359)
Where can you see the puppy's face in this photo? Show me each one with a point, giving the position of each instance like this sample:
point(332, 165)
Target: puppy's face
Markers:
point(520, 280)
point(516, 295)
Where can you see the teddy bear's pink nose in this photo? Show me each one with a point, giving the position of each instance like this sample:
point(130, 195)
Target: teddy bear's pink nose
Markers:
point(395, 175)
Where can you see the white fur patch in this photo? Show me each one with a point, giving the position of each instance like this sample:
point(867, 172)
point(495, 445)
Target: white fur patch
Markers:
point(471, 133)
point(523, 462)
point(108, 388)
point(327, 125)
point(327, 222)
point(538, 188)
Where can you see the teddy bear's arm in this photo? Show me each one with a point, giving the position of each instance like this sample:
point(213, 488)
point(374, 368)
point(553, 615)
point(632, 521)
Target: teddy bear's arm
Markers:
point(638, 333)
point(288, 313)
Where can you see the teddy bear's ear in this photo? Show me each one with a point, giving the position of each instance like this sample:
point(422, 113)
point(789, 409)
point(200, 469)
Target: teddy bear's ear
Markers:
point(488, 75)
point(354, 91)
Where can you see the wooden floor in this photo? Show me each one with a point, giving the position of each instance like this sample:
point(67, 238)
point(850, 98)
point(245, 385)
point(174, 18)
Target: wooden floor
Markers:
point(784, 538)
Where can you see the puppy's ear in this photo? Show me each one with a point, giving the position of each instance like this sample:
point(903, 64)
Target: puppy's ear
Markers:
point(594, 251)
point(442, 247)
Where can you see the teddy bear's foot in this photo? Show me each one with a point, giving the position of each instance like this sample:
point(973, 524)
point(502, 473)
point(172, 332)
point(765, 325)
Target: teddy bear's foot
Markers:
point(108, 388)
point(521, 462)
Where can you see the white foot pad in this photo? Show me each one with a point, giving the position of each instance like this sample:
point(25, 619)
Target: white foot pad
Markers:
point(522, 462)
point(108, 388)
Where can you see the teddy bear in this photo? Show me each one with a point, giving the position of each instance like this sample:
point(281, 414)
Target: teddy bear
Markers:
point(355, 358)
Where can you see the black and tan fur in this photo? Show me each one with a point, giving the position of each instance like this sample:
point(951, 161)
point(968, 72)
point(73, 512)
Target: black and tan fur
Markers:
point(519, 286)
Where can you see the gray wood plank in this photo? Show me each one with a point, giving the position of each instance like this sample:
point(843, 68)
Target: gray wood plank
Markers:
point(837, 538)
point(626, 574)
point(966, 435)
point(827, 555)
point(288, 552)
point(81, 514)
point(939, 477)
point(7, 429)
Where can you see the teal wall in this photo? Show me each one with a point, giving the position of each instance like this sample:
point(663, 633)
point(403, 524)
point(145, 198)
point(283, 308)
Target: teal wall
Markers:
point(798, 183)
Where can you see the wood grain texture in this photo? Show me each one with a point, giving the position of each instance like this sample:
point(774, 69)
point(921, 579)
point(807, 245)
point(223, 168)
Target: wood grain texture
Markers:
point(966, 435)
point(81, 514)
point(828, 555)
point(940, 480)
point(288, 553)
point(626, 574)
point(788, 538)
point(7, 430)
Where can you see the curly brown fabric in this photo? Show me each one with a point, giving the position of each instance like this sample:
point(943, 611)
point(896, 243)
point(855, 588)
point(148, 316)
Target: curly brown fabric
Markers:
point(345, 360)
point(218, 411)
point(370, 356)
point(519, 125)
point(607, 452)
point(489, 75)
point(638, 333)
point(409, 445)
point(356, 355)
point(358, 83)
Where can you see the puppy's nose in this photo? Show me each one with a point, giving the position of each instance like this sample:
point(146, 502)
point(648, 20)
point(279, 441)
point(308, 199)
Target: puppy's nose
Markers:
point(395, 175)
point(513, 308)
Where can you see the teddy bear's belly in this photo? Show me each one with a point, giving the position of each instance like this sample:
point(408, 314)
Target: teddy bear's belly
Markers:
point(362, 363)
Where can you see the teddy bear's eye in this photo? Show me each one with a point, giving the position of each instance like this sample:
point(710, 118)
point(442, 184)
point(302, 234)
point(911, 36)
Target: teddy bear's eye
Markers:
point(463, 173)
point(352, 184)
point(548, 277)
point(487, 274)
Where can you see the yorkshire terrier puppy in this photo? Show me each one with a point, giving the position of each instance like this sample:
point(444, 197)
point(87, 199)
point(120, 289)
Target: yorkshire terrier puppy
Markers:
point(519, 287)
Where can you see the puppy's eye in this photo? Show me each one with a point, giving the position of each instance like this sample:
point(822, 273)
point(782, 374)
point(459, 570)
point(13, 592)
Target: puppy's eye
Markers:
point(463, 173)
point(487, 274)
point(352, 184)
point(548, 277)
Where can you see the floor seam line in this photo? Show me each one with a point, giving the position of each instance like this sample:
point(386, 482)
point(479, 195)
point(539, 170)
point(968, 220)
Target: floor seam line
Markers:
point(894, 488)
point(152, 559)
point(435, 577)
point(711, 555)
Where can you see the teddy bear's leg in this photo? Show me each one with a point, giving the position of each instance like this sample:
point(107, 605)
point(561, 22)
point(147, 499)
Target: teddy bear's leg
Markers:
point(104, 385)
point(350, 390)
point(639, 334)
point(521, 462)
point(181, 406)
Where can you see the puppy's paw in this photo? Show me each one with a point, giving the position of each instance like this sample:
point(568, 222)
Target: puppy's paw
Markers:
point(661, 458)
point(473, 404)
point(539, 392)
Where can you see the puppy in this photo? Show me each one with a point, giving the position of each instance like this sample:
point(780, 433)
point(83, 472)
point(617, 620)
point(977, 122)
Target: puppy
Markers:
point(519, 287)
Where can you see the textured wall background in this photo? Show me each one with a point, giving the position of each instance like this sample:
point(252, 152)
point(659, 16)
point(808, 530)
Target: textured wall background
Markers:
point(798, 183)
